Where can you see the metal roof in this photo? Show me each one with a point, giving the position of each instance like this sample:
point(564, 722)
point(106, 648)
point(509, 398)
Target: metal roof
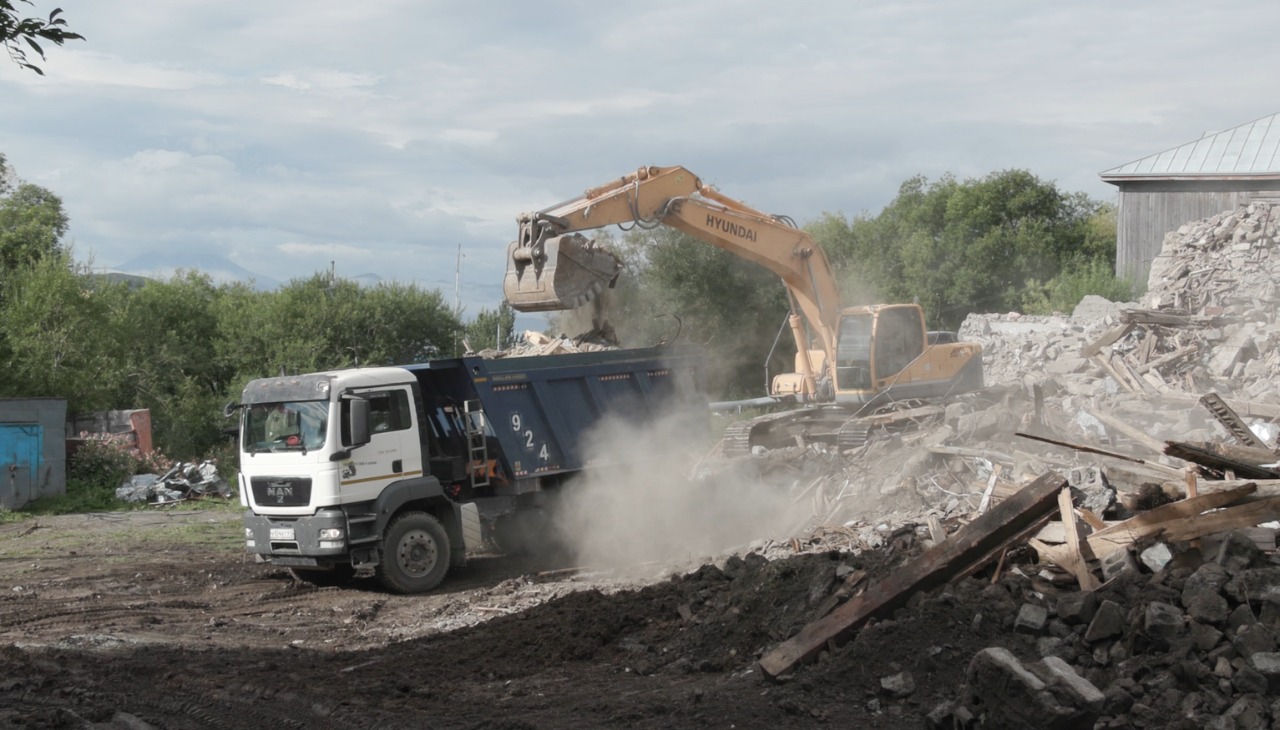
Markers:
point(1249, 150)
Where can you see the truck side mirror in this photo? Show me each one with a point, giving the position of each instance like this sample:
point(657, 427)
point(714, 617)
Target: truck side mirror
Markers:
point(358, 422)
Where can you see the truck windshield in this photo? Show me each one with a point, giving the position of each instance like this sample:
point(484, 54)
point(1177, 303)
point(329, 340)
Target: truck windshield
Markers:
point(289, 426)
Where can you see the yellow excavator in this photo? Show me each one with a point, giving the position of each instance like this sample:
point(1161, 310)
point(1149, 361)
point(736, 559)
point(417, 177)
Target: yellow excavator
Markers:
point(849, 360)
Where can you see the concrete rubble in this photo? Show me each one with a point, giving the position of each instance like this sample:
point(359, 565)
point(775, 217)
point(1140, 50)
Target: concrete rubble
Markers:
point(1154, 595)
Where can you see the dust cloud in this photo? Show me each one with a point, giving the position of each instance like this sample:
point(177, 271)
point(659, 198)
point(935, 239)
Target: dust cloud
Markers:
point(646, 506)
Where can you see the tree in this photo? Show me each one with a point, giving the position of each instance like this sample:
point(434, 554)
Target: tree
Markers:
point(957, 247)
point(676, 288)
point(32, 224)
point(55, 335)
point(14, 31)
point(491, 329)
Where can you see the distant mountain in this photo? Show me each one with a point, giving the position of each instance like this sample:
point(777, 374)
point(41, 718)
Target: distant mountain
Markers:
point(219, 268)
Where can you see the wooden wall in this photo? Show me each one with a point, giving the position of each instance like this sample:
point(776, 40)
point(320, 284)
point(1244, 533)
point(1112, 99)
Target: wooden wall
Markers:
point(1150, 209)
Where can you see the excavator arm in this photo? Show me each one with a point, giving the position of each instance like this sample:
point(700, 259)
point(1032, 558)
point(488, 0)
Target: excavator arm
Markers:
point(551, 266)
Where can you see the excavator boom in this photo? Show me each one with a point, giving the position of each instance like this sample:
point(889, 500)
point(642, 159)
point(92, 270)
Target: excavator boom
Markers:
point(847, 357)
point(550, 267)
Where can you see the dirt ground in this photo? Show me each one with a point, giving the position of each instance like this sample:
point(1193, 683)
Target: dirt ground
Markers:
point(158, 619)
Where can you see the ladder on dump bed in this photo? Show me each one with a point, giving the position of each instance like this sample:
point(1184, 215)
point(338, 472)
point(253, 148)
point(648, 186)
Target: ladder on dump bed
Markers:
point(477, 444)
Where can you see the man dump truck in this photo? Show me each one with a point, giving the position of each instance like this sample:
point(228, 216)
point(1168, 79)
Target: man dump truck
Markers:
point(848, 361)
point(403, 469)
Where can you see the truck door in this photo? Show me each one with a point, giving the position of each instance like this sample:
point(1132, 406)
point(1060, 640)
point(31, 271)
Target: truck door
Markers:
point(394, 450)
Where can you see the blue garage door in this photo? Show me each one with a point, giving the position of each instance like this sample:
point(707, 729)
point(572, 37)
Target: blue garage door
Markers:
point(21, 445)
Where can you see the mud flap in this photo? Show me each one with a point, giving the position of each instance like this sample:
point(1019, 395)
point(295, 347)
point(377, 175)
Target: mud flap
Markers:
point(469, 516)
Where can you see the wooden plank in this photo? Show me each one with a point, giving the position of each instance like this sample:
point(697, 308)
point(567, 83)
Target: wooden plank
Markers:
point(1076, 560)
point(1132, 432)
point(1108, 338)
point(971, 453)
point(1213, 459)
point(985, 502)
point(1094, 521)
point(1167, 359)
point(1107, 367)
point(974, 541)
point(1120, 535)
point(1172, 471)
point(1231, 421)
point(937, 532)
point(1249, 514)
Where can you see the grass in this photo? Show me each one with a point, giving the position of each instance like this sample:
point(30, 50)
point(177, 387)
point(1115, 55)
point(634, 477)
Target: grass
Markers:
point(117, 536)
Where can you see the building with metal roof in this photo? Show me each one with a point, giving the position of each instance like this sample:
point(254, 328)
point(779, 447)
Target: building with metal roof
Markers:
point(1217, 172)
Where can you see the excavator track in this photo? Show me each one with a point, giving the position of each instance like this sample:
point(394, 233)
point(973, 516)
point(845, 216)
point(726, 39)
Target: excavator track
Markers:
point(844, 429)
point(778, 430)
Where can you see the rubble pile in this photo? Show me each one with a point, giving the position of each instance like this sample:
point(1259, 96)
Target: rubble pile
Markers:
point(1149, 595)
point(183, 481)
point(599, 337)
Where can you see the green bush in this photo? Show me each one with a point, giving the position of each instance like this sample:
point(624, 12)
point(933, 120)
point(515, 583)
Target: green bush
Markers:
point(1063, 292)
point(101, 464)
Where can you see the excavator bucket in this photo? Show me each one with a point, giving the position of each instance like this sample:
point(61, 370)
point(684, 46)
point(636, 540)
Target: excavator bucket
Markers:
point(560, 272)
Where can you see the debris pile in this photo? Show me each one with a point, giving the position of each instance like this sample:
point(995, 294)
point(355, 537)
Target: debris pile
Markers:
point(186, 480)
point(1149, 582)
point(599, 337)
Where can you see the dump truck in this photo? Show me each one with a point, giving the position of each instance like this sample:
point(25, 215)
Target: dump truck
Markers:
point(849, 360)
point(401, 470)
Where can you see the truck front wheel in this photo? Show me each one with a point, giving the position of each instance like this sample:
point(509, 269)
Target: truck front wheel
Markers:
point(415, 553)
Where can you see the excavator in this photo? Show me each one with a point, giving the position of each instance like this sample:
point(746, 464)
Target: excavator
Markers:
point(849, 360)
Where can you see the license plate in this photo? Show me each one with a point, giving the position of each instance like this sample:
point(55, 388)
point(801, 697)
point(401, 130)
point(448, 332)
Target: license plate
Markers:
point(282, 533)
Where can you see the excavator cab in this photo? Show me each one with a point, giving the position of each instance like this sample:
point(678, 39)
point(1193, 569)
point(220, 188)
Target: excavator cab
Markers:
point(547, 272)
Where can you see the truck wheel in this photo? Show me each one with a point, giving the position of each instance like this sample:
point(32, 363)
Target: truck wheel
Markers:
point(335, 576)
point(415, 553)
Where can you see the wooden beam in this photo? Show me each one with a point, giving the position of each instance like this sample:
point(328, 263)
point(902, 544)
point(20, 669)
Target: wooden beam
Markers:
point(1153, 522)
point(1166, 359)
point(939, 564)
point(1212, 458)
point(1110, 337)
point(1169, 470)
point(1132, 432)
point(1240, 516)
point(1076, 564)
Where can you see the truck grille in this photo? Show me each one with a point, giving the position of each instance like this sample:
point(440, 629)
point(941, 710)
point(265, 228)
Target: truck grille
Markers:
point(281, 491)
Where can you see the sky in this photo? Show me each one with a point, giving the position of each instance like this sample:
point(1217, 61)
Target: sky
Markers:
point(391, 137)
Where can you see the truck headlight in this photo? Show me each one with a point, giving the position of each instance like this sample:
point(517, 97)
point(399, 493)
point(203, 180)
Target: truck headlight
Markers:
point(331, 533)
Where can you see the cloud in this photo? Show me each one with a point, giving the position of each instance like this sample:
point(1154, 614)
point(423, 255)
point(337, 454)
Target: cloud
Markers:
point(386, 135)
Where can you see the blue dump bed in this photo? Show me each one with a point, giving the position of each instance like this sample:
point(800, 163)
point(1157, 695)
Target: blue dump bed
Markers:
point(538, 409)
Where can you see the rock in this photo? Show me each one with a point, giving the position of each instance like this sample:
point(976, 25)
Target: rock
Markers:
point(1248, 713)
point(1255, 585)
point(1222, 668)
point(1031, 619)
point(1210, 576)
point(1205, 605)
point(1162, 620)
point(898, 685)
point(1237, 552)
point(1241, 616)
point(1117, 563)
point(1247, 679)
point(1106, 623)
point(1004, 693)
point(1253, 639)
point(1077, 608)
point(1156, 557)
point(1204, 637)
point(1072, 689)
point(1267, 664)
